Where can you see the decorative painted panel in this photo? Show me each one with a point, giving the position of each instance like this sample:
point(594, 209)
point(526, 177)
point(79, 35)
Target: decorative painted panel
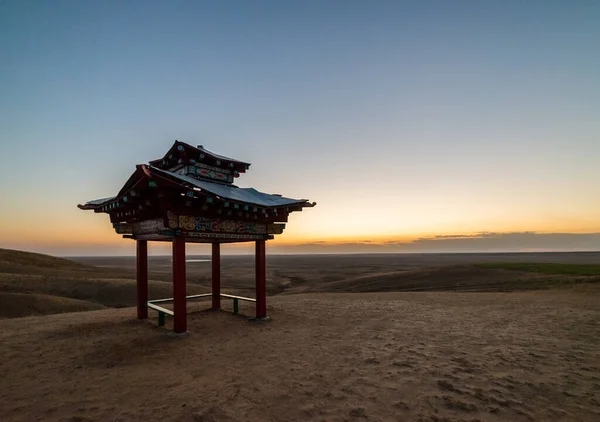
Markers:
point(223, 236)
point(215, 225)
point(209, 172)
point(226, 229)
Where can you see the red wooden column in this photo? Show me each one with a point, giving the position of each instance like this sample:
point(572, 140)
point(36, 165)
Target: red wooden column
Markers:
point(261, 279)
point(179, 301)
point(216, 276)
point(142, 278)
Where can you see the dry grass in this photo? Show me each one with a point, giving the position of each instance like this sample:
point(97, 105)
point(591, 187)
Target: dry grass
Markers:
point(111, 281)
point(58, 285)
point(15, 305)
point(471, 278)
point(339, 273)
point(547, 268)
point(109, 292)
point(527, 356)
point(14, 258)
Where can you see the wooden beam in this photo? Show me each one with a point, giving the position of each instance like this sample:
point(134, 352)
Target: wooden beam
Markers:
point(160, 309)
point(247, 299)
point(169, 238)
point(170, 299)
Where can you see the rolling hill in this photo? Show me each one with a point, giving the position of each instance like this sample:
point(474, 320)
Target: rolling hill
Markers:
point(56, 285)
point(36, 284)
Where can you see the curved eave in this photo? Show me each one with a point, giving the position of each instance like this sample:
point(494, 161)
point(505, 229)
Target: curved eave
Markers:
point(96, 203)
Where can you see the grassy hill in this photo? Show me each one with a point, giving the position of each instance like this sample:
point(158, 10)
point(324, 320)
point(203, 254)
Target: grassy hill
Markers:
point(10, 258)
point(16, 305)
point(34, 284)
point(468, 278)
point(591, 270)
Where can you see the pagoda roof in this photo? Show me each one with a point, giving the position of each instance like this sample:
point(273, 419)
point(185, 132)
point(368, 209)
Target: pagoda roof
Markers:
point(189, 194)
point(196, 152)
point(248, 196)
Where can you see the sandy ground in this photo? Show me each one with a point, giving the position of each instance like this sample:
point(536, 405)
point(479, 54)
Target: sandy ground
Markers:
point(531, 356)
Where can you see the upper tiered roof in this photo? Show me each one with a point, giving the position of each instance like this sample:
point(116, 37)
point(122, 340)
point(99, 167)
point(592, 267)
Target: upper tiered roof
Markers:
point(200, 162)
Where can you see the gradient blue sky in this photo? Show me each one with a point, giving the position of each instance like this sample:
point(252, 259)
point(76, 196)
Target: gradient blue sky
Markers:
point(403, 120)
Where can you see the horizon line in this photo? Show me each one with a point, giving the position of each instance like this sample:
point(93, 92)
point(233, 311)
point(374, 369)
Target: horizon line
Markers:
point(344, 253)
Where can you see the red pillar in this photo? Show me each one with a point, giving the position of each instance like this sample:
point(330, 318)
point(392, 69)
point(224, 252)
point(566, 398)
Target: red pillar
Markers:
point(179, 301)
point(142, 278)
point(216, 276)
point(261, 279)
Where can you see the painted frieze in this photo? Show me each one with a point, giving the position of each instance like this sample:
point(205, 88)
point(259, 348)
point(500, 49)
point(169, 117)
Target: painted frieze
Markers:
point(215, 225)
point(199, 170)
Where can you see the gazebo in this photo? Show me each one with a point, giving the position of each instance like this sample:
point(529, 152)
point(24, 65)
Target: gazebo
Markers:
point(188, 196)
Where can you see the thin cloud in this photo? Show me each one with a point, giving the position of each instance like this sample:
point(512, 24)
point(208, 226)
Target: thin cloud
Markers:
point(479, 242)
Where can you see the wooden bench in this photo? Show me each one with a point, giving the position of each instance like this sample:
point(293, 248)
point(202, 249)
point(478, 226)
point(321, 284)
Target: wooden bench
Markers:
point(163, 312)
point(170, 299)
point(236, 299)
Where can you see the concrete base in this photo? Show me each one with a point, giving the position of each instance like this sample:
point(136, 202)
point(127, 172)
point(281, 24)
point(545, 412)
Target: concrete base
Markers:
point(258, 320)
point(177, 335)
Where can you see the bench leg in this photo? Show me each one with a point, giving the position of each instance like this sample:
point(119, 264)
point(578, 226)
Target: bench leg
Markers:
point(236, 308)
point(161, 319)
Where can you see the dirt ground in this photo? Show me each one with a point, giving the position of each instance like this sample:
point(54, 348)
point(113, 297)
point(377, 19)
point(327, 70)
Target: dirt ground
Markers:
point(527, 356)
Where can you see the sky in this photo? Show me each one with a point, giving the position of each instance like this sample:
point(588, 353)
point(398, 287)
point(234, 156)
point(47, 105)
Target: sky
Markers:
point(421, 126)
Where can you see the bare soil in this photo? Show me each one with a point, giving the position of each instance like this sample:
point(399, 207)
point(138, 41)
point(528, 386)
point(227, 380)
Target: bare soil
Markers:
point(521, 356)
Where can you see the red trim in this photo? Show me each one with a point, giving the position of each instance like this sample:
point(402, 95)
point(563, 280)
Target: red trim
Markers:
point(142, 278)
point(261, 279)
point(133, 180)
point(167, 178)
point(179, 279)
point(216, 276)
point(145, 170)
